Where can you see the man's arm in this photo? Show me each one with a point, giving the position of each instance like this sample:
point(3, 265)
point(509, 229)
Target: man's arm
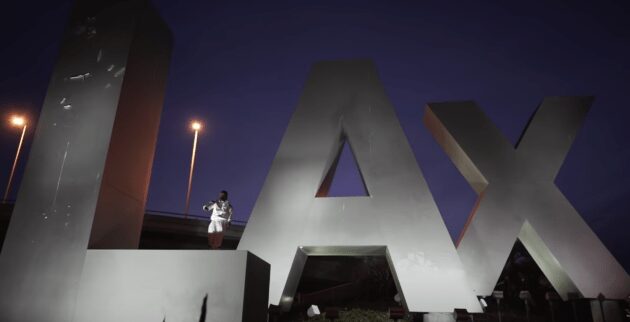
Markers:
point(229, 212)
point(208, 207)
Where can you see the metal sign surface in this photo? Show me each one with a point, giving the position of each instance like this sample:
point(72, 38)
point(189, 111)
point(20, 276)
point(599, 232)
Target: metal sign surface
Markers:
point(518, 198)
point(293, 219)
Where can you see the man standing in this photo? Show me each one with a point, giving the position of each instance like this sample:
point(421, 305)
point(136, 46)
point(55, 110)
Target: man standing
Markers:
point(221, 216)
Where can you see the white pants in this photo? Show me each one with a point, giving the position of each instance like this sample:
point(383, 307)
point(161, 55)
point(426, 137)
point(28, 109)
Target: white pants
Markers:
point(217, 226)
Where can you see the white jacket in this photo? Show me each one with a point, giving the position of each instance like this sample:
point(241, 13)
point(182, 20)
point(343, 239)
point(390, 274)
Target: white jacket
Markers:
point(220, 210)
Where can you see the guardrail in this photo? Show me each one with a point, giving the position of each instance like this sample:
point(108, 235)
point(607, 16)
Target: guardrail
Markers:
point(191, 216)
point(163, 213)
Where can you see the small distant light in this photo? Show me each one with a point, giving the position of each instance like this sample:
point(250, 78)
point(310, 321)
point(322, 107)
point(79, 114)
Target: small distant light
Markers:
point(18, 121)
point(196, 126)
point(525, 295)
point(313, 311)
point(483, 303)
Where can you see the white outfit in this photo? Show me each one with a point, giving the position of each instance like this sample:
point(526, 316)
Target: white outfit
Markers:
point(217, 226)
point(221, 215)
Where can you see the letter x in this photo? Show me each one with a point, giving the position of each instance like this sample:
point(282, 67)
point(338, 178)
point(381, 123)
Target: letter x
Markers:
point(518, 198)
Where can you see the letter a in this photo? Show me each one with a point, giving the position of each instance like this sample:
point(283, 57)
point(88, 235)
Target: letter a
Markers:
point(292, 218)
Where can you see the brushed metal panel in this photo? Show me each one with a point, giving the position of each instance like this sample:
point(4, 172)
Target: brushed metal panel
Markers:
point(113, 56)
point(519, 199)
point(345, 100)
point(172, 285)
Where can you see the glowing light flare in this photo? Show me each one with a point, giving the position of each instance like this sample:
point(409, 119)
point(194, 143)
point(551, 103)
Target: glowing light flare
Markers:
point(18, 120)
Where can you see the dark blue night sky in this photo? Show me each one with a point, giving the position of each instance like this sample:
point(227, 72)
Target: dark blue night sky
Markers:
point(241, 67)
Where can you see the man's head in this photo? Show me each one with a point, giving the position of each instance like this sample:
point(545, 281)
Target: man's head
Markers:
point(223, 195)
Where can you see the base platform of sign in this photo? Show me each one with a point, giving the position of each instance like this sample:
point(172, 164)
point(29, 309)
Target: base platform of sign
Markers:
point(173, 285)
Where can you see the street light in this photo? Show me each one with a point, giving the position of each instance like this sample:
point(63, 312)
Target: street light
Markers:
point(195, 126)
point(16, 120)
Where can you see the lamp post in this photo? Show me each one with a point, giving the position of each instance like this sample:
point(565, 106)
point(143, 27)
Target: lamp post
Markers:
point(15, 121)
point(195, 126)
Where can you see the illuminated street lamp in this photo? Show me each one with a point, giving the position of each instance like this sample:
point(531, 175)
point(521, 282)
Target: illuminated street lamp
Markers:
point(195, 126)
point(15, 121)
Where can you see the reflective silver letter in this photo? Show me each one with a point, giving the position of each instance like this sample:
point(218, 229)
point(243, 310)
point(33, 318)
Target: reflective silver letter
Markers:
point(518, 198)
point(345, 101)
point(85, 186)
